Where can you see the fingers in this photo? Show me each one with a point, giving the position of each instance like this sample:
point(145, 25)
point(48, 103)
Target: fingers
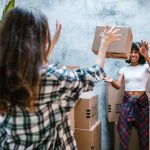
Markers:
point(58, 26)
point(114, 29)
point(144, 45)
point(117, 37)
point(103, 32)
point(138, 46)
point(106, 28)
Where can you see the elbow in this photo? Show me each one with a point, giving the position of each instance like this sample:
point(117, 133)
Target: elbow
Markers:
point(118, 87)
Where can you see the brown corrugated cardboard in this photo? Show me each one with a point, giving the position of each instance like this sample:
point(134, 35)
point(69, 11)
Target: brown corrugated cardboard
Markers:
point(113, 102)
point(149, 127)
point(133, 142)
point(120, 49)
point(86, 111)
point(71, 117)
point(89, 139)
point(148, 94)
point(148, 85)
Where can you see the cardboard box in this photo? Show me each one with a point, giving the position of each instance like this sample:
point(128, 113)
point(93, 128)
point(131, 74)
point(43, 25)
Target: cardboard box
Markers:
point(86, 111)
point(119, 49)
point(148, 94)
point(133, 141)
point(149, 127)
point(71, 118)
point(148, 85)
point(113, 101)
point(89, 139)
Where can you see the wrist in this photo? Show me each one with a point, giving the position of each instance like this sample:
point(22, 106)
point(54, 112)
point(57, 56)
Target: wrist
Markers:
point(146, 56)
point(104, 42)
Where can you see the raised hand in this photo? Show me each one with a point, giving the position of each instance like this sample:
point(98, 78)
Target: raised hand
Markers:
point(56, 35)
point(110, 35)
point(107, 37)
point(144, 48)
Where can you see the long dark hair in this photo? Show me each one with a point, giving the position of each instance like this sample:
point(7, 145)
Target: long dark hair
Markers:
point(24, 46)
point(135, 47)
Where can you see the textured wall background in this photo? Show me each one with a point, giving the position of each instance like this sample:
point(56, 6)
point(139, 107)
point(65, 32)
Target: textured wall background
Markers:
point(79, 19)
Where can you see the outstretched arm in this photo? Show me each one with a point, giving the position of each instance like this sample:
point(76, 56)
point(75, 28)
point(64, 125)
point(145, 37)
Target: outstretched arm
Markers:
point(115, 83)
point(107, 37)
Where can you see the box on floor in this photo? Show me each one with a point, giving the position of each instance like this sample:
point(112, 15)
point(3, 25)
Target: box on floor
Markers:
point(89, 139)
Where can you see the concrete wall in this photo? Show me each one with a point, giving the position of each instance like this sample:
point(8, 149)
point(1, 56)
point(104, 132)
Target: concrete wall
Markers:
point(79, 19)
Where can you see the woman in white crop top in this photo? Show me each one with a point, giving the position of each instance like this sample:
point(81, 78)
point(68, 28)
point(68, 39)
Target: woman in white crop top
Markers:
point(134, 108)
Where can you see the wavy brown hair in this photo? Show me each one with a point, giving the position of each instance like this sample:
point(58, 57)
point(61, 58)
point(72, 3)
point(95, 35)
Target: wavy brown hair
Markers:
point(24, 46)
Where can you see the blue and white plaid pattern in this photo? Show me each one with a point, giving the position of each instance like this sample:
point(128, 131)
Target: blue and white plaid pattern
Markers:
point(48, 128)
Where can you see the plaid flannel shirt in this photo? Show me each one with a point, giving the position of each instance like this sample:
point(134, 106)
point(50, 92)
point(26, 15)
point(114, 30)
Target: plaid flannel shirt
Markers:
point(48, 128)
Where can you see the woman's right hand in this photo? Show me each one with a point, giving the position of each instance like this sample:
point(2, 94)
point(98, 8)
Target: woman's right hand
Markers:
point(109, 35)
point(108, 79)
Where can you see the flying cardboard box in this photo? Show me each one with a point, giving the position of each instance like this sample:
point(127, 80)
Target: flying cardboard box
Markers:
point(89, 139)
point(118, 49)
point(86, 111)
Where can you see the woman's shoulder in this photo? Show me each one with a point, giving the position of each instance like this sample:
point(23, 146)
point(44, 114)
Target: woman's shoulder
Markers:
point(125, 67)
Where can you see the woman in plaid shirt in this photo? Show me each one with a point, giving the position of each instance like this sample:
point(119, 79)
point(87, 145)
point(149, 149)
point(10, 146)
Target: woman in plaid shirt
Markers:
point(134, 110)
point(35, 96)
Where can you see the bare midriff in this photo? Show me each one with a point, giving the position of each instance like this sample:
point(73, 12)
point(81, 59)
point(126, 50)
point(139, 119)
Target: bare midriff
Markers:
point(135, 93)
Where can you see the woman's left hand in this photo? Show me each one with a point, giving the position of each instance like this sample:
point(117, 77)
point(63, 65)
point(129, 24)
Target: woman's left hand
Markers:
point(144, 48)
point(57, 34)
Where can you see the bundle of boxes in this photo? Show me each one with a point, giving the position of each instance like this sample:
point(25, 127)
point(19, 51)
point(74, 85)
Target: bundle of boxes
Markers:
point(85, 124)
point(84, 121)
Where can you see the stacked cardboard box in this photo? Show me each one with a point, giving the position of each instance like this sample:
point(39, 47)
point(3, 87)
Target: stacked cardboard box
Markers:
point(84, 121)
point(88, 139)
point(113, 102)
point(119, 49)
point(87, 126)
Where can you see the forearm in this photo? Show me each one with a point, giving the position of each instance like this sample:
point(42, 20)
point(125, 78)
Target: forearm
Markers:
point(102, 54)
point(115, 84)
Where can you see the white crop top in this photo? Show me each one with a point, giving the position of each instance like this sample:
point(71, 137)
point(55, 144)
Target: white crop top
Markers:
point(135, 77)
